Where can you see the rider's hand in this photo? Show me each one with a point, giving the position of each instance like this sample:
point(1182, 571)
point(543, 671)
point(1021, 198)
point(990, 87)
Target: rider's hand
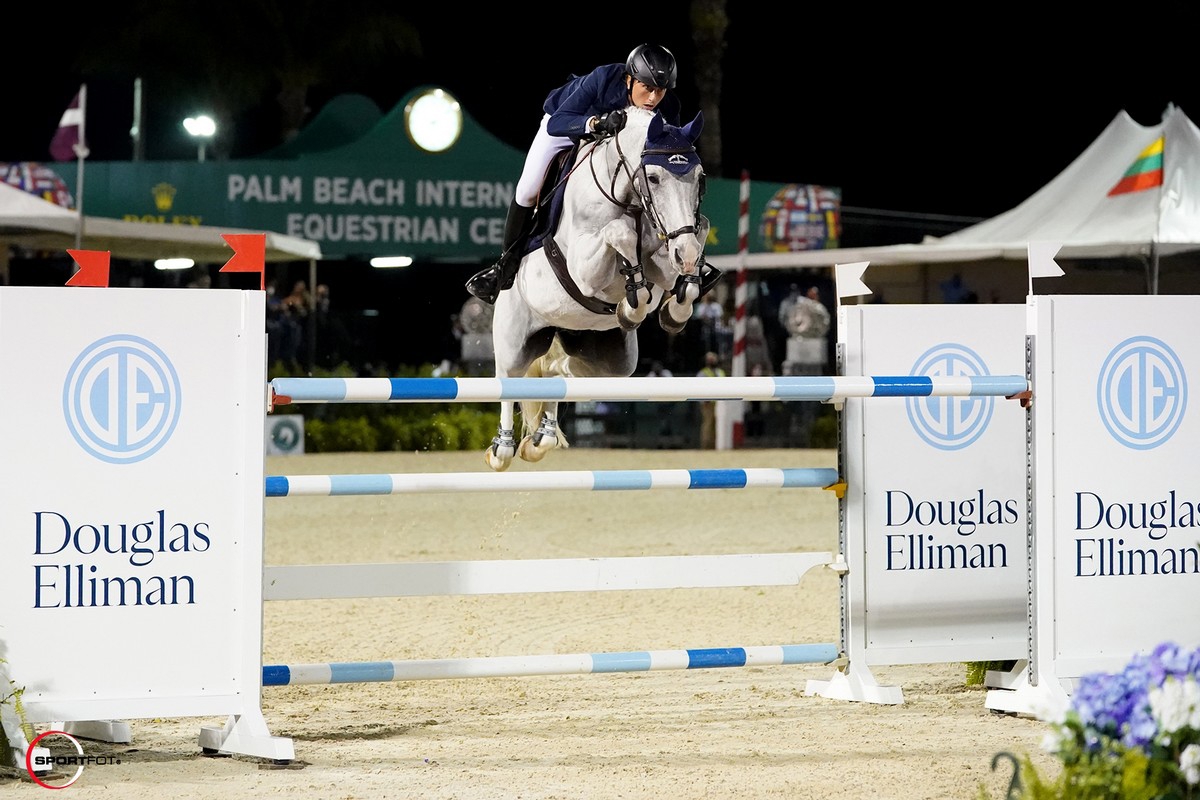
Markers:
point(610, 122)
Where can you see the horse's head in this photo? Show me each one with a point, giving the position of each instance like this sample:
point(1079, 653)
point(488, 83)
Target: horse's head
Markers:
point(671, 185)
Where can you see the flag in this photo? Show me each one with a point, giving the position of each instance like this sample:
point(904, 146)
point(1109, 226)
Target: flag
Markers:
point(1145, 173)
point(68, 142)
point(849, 279)
point(93, 267)
point(1041, 260)
point(249, 254)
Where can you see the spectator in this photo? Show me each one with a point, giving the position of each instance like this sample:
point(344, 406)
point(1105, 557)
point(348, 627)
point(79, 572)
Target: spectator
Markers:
point(709, 314)
point(283, 332)
point(955, 291)
point(333, 339)
point(786, 305)
point(298, 304)
point(758, 352)
point(708, 408)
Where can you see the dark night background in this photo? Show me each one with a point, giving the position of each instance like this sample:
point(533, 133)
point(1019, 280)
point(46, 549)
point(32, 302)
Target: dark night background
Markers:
point(927, 119)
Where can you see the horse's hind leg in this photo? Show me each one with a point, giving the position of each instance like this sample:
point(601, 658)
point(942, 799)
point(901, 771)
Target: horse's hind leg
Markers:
point(540, 419)
point(580, 354)
point(517, 342)
point(545, 438)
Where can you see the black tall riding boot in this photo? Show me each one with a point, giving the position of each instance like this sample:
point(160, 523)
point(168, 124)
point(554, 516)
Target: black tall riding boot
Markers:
point(487, 284)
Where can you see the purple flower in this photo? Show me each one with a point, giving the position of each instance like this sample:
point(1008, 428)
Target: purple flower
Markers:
point(1117, 706)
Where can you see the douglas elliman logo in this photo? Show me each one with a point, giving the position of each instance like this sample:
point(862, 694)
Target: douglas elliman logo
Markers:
point(950, 423)
point(121, 399)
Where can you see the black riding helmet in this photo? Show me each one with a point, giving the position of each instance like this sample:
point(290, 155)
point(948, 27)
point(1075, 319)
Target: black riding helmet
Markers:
point(653, 65)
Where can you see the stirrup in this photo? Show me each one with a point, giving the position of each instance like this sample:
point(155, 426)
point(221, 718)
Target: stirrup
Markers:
point(485, 285)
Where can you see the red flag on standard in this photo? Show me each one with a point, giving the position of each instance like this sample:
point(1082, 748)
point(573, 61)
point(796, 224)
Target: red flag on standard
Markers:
point(249, 254)
point(62, 146)
point(93, 267)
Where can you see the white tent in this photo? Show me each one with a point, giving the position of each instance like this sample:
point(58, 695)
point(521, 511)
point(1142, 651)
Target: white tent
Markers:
point(1078, 209)
point(33, 223)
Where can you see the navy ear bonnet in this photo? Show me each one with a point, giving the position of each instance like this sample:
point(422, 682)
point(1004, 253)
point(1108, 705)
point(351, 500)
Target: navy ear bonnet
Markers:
point(671, 147)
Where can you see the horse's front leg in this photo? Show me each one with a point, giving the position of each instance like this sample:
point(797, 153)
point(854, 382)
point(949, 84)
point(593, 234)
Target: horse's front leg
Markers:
point(500, 452)
point(675, 312)
point(685, 254)
point(622, 238)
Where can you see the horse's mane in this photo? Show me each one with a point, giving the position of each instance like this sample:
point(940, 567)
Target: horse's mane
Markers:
point(637, 119)
point(638, 111)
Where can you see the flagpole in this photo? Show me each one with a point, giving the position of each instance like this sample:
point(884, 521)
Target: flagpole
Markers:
point(81, 151)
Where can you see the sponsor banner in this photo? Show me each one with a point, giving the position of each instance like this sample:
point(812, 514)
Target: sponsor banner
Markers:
point(1117, 503)
point(935, 522)
point(131, 497)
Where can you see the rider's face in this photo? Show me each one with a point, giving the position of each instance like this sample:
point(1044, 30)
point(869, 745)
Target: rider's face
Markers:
point(643, 96)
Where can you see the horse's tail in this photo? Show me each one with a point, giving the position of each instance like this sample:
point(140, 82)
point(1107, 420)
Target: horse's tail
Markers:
point(552, 364)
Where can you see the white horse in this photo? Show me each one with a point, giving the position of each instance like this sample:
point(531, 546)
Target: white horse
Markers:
point(630, 240)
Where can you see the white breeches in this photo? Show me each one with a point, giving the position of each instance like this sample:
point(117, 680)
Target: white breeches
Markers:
point(543, 150)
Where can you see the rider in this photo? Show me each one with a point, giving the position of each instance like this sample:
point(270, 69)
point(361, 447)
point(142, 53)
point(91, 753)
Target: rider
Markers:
point(593, 104)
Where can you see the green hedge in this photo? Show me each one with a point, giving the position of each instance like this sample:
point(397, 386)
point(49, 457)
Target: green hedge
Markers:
point(372, 427)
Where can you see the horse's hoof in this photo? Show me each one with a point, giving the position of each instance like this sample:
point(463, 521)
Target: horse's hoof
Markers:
point(497, 461)
point(528, 451)
point(629, 318)
point(627, 322)
point(668, 323)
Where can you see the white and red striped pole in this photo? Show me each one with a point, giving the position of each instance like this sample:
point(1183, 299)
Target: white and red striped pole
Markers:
point(739, 299)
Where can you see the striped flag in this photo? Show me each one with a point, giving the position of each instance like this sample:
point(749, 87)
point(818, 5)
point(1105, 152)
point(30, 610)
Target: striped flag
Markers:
point(68, 142)
point(1145, 173)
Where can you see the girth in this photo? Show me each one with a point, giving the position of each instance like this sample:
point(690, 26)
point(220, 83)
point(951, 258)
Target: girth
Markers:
point(559, 264)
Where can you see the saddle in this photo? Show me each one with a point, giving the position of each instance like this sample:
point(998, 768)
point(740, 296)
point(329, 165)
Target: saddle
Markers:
point(554, 188)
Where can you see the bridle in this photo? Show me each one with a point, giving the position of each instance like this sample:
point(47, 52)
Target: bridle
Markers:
point(644, 198)
point(643, 202)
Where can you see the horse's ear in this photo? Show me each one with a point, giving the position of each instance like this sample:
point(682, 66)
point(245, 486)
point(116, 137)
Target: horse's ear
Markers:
point(656, 127)
point(693, 128)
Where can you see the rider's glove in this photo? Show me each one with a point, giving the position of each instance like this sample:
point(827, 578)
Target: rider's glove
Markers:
point(610, 122)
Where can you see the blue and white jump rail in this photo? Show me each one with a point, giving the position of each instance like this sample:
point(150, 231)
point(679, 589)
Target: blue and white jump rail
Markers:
point(522, 666)
point(479, 390)
point(589, 480)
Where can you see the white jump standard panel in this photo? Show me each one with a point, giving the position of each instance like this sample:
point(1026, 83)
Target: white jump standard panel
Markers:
point(131, 506)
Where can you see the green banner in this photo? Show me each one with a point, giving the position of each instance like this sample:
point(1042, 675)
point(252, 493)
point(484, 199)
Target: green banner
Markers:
point(382, 195)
